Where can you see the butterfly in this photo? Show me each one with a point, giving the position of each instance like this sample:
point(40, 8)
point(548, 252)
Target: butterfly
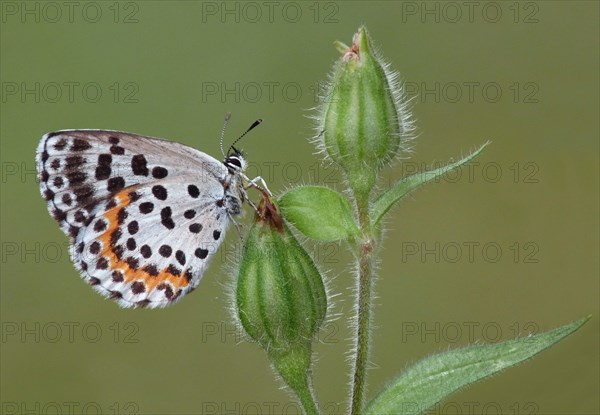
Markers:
point(144, 215)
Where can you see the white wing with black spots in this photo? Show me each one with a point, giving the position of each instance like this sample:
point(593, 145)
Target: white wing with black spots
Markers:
point(145, 215)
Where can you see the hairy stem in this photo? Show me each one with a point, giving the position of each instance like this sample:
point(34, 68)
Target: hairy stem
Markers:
point(364, 257)
point(308, 402)
point(293, 366)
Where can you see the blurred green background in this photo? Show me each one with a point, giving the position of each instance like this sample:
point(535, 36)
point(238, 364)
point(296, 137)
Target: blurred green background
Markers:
point(508, 248)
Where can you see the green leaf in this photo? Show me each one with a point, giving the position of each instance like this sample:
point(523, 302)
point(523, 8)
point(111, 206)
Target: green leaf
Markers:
point(406, 185)
point(319, 213)
point(434, 378)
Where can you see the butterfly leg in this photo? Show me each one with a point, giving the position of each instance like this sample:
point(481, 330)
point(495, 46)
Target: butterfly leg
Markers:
point(263, 185)
point(251, 203)
point(238, 227)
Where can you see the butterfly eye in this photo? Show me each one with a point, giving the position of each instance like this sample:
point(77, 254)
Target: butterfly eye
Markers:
point(233, 162)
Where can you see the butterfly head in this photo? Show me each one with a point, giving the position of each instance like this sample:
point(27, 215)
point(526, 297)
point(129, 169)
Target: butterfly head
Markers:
point(235, 162)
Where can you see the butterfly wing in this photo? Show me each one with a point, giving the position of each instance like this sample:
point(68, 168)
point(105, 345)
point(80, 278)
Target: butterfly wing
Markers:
point(131, 205)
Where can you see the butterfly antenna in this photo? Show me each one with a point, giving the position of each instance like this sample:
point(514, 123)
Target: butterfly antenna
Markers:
point(227, 118)
point(254, 124)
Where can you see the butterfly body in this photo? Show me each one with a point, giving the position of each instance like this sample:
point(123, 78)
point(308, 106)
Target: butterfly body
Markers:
point(144, 215)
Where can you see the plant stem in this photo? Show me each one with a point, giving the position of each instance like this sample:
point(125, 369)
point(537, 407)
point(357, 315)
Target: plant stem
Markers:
point(308, 401)
point(363, 310)
point(293, 367)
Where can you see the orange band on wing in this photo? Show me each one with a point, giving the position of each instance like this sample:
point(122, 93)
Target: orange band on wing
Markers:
point(130, 274)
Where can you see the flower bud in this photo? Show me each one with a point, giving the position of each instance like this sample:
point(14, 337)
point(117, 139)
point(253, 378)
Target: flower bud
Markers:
point(363, 116)
point(280, 297)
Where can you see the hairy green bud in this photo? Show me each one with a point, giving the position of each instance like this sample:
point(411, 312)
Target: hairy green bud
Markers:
point(281, 300)
point(363, 117)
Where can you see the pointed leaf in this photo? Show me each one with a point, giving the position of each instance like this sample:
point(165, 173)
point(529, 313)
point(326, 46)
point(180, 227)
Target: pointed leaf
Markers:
point(406, 185)
point(434, 378)
point(319, 213)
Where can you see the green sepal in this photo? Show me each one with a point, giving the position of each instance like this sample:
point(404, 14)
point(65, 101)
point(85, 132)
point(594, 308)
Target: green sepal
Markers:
point(340, 46)
point(319, 213)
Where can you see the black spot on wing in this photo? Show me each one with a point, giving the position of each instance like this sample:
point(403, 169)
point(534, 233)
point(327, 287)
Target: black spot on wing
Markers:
point(151, 269)
point(138, 287)
point(195, 227)
point(166, 219)
point(132, 262)
point(165, 251)
point(100, 225)
point(133, 227)
point(103, 169)
point(146, 251)
point(139, 165)
point(76, 177)
point(122, 215)
point(173, 270)
point(102, 263)
point(66, 199)
point(159, 192)
point(131, 244)
point(80, 144)
point(115, 184)
point(60, 144)
point(193, 191)
point(201, 253)
point(146, 207)
point(74, 162)
point(159, 172)
point(117, 276)
point(117, 150)
point(180, 256)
